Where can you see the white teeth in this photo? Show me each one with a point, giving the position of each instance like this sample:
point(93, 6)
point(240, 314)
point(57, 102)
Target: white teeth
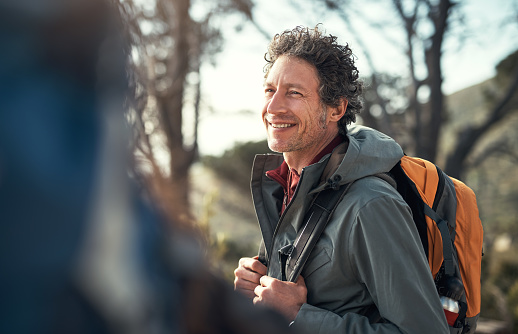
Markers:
point(282, 125)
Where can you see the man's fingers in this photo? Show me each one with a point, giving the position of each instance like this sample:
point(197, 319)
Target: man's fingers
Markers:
point(258, 294)
point(253, 264)
point(266, 280)
point(248, 275)
point(240, 283)
point(286, 297)
point(245, 274)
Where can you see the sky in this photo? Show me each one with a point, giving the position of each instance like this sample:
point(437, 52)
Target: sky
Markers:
point(233, 92)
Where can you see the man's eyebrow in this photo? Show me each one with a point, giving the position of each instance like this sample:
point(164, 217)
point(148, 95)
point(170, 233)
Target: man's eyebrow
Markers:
point(290, 85)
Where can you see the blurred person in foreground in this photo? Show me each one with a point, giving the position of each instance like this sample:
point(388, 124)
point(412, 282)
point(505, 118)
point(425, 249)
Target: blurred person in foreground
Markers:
point(355, 280)
point(80, 251)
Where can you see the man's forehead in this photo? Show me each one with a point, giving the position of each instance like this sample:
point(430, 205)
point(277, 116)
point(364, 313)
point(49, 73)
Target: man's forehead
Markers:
point(293, 72)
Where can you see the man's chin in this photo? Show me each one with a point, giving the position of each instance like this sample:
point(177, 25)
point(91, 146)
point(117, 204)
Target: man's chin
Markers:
point(274, 149)
point(279, 147)
point(274, 146)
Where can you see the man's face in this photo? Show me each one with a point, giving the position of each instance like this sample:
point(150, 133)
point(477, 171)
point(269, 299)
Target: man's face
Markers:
point(294, 117)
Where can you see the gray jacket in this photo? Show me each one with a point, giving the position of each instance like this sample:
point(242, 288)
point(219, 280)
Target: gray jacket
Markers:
point(370, 252)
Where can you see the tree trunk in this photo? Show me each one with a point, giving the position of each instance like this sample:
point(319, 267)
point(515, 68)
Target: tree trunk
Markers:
point(430, 134)
point(170, 106)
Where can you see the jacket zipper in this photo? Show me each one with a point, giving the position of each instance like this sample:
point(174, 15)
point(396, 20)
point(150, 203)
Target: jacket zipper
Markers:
point(281, 219)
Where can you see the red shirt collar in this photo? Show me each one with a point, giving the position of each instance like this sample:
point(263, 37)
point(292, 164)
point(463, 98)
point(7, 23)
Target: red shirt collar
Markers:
point(286, 176)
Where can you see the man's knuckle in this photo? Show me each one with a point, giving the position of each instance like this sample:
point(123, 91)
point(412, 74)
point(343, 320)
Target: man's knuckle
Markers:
point(275, 284)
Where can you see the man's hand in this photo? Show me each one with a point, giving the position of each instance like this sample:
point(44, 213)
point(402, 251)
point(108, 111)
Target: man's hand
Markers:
point(285, 297)
point(247, 276)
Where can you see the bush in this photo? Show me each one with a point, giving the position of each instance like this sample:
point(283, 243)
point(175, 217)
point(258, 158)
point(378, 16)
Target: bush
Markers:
point(236, 163)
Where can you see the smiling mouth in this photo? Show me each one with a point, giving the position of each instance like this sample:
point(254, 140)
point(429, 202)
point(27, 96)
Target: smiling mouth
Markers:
point(280, 126)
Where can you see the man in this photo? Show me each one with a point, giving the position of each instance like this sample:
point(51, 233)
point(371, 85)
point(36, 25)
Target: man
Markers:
point(368, 272)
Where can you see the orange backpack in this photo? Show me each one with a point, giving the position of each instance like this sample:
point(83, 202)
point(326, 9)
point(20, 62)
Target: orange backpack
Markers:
point(447, 218)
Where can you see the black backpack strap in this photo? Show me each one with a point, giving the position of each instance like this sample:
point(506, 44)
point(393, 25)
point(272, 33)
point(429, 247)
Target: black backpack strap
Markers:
point(440, 188)
point(294, 257)
point(447, 247)
point(444, 228)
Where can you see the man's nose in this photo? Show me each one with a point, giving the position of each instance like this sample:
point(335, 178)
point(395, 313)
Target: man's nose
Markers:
point(276, 104)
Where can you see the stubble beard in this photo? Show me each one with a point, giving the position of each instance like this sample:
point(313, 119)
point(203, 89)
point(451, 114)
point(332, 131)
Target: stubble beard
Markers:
point(292, 145)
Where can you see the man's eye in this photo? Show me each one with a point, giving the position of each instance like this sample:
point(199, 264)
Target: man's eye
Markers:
point(294, 92)
point(268, 91)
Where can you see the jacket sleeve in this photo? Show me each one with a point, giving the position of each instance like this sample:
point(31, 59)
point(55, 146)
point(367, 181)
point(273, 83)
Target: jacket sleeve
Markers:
point(385, 254)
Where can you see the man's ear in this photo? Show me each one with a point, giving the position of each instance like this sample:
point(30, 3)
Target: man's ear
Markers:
point(338, 112)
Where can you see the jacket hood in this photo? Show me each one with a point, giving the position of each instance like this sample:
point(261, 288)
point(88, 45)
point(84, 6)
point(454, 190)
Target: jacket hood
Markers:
point(368, 152)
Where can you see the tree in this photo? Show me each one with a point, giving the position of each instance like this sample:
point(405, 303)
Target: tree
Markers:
point(168, 48)
point(424, 26)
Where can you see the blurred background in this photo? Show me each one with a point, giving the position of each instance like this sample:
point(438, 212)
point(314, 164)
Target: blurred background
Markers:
point(441, 78)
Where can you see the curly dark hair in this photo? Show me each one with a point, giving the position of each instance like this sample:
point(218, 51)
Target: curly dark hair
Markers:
point(337, 73)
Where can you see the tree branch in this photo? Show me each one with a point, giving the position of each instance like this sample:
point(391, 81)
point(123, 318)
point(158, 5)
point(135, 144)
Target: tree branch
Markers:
point(472, 134)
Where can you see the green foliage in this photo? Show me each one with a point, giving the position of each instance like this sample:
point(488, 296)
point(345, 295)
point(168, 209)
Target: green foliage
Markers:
point(507, 274)
point(490, 308)
point(500, 283)
point(512, 301)
point(225, 254)
point(236, 163)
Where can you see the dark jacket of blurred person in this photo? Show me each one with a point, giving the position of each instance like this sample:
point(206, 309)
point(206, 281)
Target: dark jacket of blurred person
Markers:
point(80, 251)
